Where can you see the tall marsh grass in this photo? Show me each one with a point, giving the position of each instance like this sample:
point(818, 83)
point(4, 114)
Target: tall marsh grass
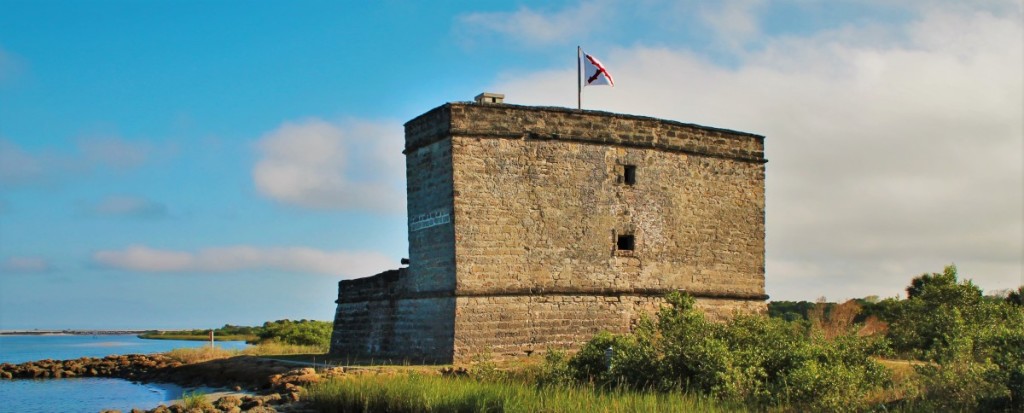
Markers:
point(423, 393)
point(195, 400)
point(275, 348)
point(199, 354)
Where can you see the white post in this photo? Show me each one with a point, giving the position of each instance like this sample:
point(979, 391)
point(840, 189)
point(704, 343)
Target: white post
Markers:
point(579, 79)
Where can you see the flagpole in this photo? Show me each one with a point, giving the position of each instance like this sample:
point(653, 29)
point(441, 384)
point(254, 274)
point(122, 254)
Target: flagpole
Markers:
point(579, 81)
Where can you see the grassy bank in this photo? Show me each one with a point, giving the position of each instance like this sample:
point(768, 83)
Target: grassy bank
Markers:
point(423, 393)
point(188, 336)
point(200, 354)
point(300, 332)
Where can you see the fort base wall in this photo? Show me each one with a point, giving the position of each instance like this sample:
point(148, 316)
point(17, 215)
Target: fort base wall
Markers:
point(379, 320)
point(517, 326)
point(427, 330)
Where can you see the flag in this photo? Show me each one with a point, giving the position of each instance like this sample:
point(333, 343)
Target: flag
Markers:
point(589, 72)
point(594, 72)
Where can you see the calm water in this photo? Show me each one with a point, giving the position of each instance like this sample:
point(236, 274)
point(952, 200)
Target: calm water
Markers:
point(84, 394)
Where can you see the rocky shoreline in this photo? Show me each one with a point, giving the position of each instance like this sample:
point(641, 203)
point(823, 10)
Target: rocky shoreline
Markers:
point(276, 385)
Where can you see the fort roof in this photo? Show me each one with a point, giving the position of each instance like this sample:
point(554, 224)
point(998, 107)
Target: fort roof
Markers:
point(500, 120)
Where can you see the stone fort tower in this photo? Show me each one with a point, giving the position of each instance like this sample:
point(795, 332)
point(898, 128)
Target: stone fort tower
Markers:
point(537, 227)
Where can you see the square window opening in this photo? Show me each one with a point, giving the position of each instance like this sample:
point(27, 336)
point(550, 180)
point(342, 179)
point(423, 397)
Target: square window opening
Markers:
point(626, 242)
point(629, 174)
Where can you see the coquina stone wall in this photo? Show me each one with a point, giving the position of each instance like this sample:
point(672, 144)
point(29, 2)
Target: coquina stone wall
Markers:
point(526, 220)
point(517, 325)
point(431, 233)
point(383, 318)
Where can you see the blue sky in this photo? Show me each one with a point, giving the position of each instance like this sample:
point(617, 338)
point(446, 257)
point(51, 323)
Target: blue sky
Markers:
point(190, 164)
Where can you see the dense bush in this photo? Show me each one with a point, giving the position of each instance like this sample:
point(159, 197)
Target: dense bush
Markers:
point(233, 330)
point(790, 310)
point(973, 345)
point(753, 358)
point(962, 385)
point(937, 312)
point(301, 332)
point(1016, 297)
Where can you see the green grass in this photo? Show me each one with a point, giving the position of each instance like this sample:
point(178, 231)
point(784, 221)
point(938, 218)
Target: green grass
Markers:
point(194, 400)
point(206, 353)
point(423, 393)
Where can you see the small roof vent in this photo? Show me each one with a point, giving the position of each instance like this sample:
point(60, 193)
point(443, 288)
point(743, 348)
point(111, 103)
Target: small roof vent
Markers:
point(489, 98)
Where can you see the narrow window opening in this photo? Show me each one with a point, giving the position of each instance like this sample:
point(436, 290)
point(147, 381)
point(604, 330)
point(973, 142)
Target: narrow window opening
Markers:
point(626, 242)
point(629, 174)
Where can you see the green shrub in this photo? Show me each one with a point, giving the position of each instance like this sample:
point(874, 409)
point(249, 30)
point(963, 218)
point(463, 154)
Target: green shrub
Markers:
point(962, 385)
point(790, 310)
point(589, 363)
point(937, 315)
point(485, 369)
point(752, 358)
point(970, 347)
point(301, 332)
point(1015, 384)
point(555, 369)
point(195, 400)
point(835, 375)
point(1016, 297)
point(973, 345)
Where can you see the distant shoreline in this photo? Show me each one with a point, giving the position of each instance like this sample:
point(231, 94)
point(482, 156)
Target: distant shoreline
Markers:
point(143, 334)
point(71, 332)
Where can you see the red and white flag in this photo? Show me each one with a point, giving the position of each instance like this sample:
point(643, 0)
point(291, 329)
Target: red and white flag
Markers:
point(594, 72)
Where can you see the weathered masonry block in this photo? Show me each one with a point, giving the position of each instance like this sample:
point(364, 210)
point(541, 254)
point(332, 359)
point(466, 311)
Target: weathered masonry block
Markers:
point(534, 227)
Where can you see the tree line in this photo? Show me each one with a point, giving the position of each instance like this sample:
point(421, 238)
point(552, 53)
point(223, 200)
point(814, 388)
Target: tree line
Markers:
point(298, 332)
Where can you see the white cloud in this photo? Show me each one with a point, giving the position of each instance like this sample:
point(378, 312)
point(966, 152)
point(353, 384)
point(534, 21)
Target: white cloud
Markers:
point(533, 27)
point(347, 264)
point(113, 152)
point(45, 166)
point(892, 151)
point(129, 206)
point(15, 265)
point(141, 258)
point(734, 22)
point(322, 165)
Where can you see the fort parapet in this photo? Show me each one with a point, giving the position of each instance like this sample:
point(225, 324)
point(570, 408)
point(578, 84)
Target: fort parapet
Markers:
point(535, 227)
